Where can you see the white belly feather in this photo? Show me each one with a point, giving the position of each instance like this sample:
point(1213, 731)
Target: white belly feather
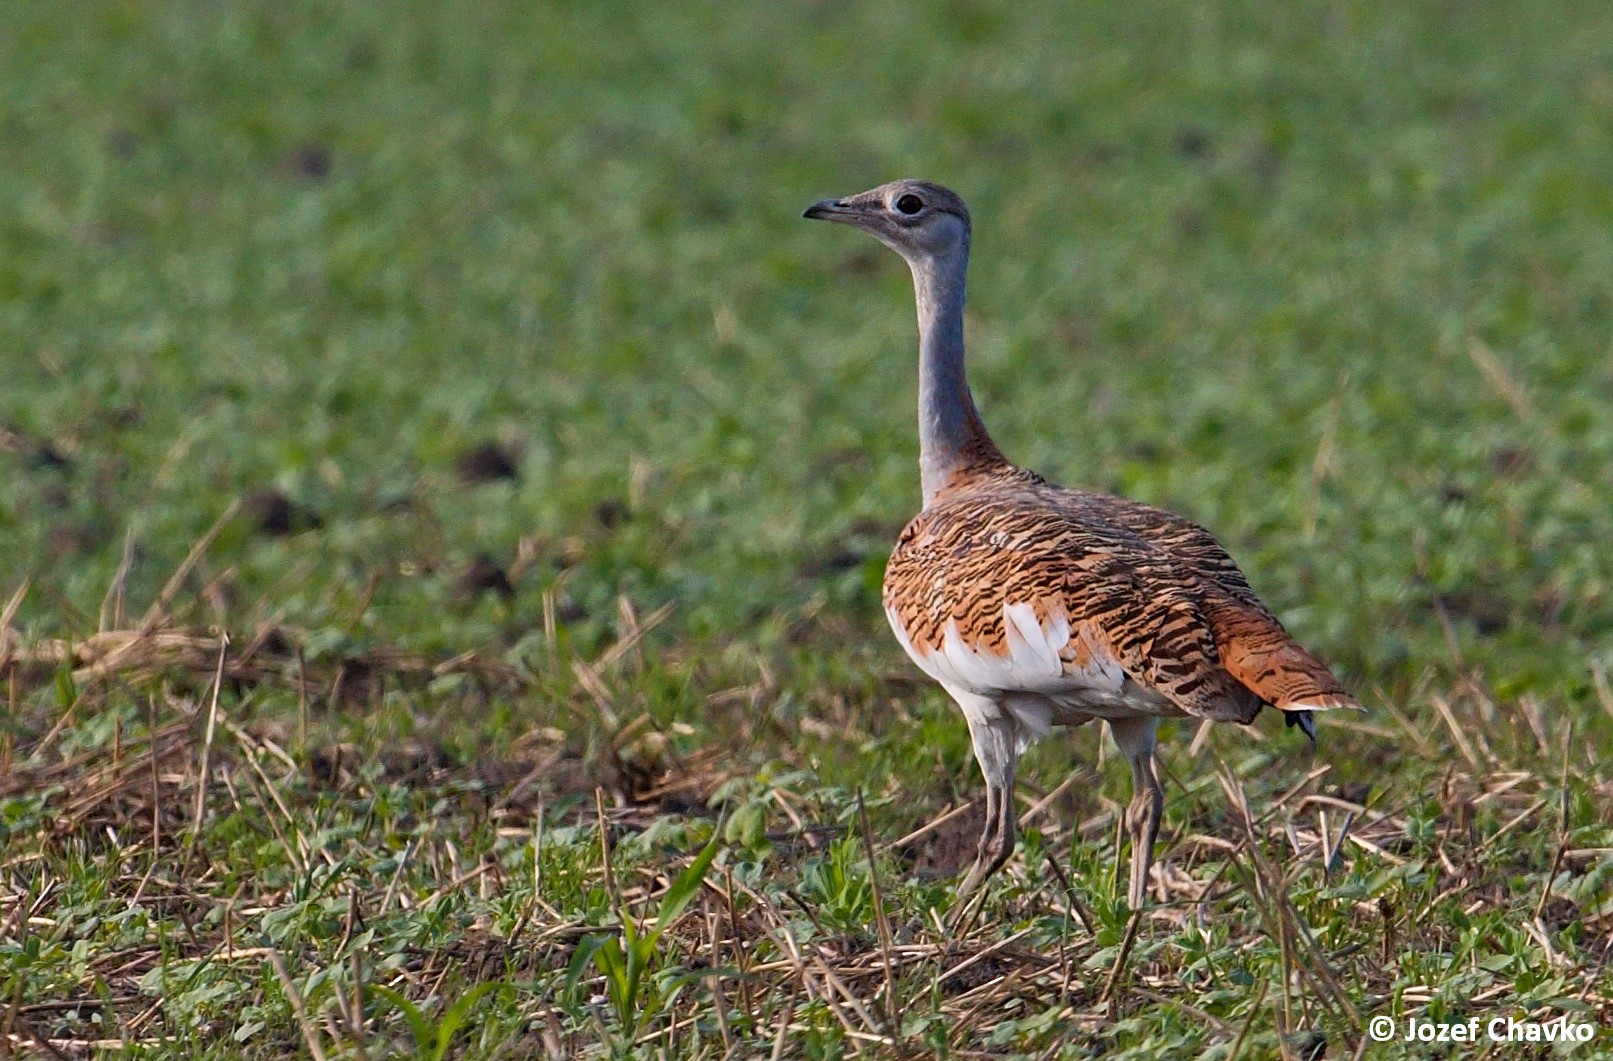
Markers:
point(1037, 678)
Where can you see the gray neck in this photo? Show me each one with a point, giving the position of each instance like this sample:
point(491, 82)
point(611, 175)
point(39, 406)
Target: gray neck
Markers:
point(951, 434)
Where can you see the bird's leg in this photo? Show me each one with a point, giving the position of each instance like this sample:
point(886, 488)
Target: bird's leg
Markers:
point(996, 839)
point(988, 856)
point(1007, 828)
point(1147, 806)
point(982, 849)
point(1135, 738)
point(998, 755)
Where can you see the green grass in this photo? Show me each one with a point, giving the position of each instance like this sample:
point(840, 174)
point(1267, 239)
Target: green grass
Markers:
point(1333, 279)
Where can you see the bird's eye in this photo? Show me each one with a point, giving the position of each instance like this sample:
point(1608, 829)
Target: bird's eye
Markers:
point(909, 204)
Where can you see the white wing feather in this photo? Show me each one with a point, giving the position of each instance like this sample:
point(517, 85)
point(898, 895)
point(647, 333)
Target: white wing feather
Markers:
point(1032, 663)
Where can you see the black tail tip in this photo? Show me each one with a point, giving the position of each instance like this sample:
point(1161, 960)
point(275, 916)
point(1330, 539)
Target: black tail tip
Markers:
point(1305, 720)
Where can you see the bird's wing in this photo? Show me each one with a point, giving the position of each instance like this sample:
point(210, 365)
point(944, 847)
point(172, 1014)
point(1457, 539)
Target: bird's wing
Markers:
point(1180, 537)
point(1253, 645)
point(1003, 593)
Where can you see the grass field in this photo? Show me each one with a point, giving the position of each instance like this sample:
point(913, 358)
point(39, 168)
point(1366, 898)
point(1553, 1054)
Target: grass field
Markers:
point(431, 437)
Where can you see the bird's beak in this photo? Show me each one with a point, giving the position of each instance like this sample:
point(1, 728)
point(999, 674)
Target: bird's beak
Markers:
point(830, 210)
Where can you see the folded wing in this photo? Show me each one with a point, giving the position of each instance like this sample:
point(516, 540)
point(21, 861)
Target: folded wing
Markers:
point(1064, 594)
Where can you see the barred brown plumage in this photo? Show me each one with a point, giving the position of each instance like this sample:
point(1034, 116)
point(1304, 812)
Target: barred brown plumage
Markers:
point(1035, 605)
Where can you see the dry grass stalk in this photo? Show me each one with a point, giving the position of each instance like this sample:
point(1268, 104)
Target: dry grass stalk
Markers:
point(310, 1035)
point(892, 1005)
point(273, 656)
point(1502, 381)
point(207, 750)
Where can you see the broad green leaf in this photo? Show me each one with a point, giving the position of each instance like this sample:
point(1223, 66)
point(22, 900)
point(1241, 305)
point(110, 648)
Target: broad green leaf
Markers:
point(419, 1026)
point(580, 958)
point(455, 1015)
point(684, 889)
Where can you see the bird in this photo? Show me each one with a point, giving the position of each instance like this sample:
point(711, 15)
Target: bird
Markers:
point(1036, 605)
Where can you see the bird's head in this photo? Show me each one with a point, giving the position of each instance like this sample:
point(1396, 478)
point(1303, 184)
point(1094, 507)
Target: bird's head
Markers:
point(918, 220)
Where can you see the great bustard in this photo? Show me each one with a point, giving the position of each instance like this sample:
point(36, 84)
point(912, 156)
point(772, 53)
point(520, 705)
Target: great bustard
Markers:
point(1034, 605)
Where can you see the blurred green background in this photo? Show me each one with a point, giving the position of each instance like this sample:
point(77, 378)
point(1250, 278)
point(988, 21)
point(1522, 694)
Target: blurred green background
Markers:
point(1248, 260)
point(496, 315)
